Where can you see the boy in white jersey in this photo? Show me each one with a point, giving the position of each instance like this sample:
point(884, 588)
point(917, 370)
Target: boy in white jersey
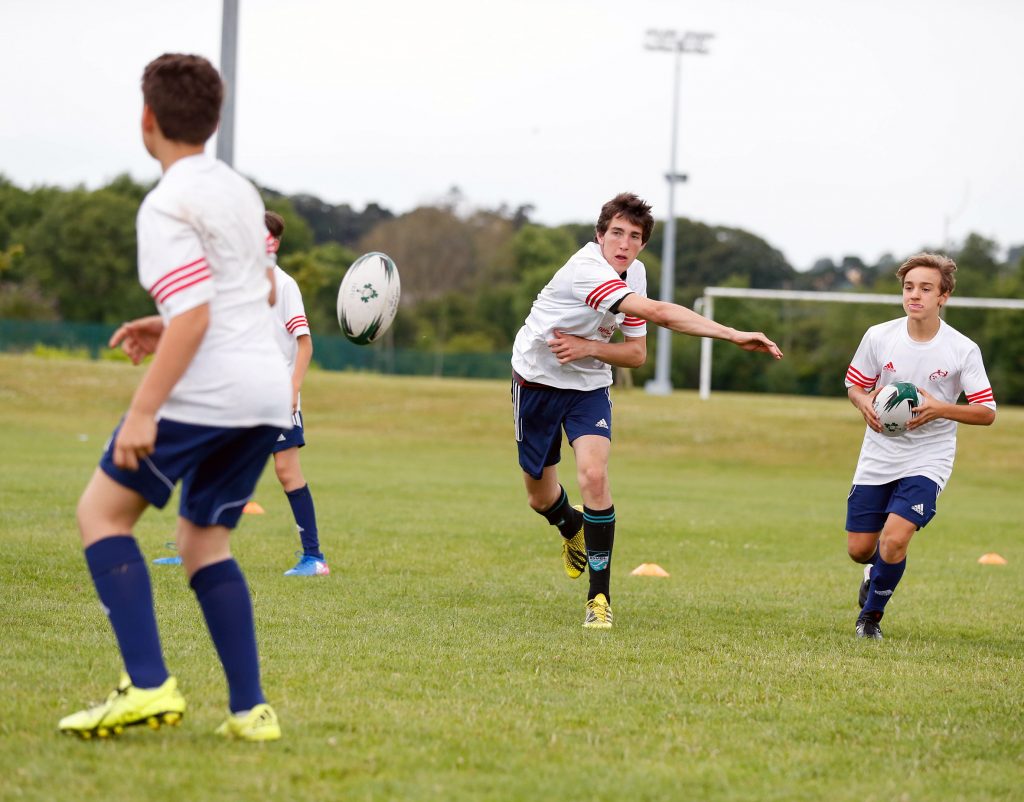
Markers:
point(898, 479)
point(207, 411)
point(561, 371)
point(296, 342)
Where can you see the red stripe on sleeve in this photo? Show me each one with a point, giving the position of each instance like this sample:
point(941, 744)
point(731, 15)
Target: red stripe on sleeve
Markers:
point(603, 291)
point(633, 321)
point(296, 322)
point(981, 397)
point(599, 294)
point(172, 291)
point(855, 377)
point(175, 275)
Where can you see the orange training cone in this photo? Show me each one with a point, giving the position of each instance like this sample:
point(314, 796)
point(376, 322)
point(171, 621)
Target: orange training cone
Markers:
point(992, 559)
point(649, 569)
point(253, 508)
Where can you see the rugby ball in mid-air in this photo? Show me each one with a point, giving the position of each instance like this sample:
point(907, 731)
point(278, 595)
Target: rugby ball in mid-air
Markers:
point(893, 405)
point(368, 298)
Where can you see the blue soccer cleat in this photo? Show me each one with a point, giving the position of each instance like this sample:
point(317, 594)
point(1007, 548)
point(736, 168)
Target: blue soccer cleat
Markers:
point(168, 560)
point(309, 566)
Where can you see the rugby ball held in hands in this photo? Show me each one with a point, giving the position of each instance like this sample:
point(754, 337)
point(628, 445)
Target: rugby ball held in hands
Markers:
point(893, 405)
point(368, 298)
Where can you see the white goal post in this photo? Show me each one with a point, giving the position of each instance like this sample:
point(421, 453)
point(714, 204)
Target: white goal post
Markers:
point(706, 306)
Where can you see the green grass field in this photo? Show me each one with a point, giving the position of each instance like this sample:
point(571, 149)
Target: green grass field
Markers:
point(444, 658)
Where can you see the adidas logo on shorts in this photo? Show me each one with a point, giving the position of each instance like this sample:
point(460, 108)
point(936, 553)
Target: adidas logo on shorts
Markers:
point(918, 508)
point(601, 424)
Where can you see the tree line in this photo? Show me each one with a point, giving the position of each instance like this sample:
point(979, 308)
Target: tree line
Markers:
point(469, 276)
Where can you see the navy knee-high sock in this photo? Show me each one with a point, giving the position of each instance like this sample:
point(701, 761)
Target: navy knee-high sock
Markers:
point(562, 516)
point(599, 534)
point(884, 579)
point(122, 583)
point(224, 598)
point(301, 501)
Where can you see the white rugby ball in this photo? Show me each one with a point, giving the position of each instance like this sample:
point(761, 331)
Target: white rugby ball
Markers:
point(893, 404)
point(368, 298)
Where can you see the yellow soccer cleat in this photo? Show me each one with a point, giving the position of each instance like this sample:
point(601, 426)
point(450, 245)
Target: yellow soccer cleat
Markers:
point(599, 613)
point(574, 551)
point(128, 706)
point(259, 724)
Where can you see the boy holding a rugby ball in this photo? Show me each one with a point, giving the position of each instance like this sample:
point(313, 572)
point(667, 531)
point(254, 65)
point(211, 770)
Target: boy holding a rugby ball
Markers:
point(898, 479)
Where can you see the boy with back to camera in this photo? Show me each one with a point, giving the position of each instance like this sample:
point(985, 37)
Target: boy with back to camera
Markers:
point(206, 413)
point(296, 342)
point(898, 479)
point(561, 372)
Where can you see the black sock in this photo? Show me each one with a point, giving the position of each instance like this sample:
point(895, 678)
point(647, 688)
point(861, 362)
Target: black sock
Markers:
point(599, 533)
point(562, 515)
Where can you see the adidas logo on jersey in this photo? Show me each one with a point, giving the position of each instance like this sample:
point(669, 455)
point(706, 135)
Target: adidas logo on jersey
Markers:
point(888, 366)
point(918, 508)
point(601, 424)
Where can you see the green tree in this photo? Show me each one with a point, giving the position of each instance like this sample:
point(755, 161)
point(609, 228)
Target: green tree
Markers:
point(82, 250)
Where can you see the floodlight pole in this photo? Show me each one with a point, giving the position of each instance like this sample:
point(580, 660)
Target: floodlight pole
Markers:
point(671, 41)
point(228, 71)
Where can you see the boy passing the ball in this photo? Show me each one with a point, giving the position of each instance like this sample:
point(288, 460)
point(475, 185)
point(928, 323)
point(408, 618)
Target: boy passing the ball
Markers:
point(898, 479)
point(207, 411)
point(296, 343)
point(561, 374)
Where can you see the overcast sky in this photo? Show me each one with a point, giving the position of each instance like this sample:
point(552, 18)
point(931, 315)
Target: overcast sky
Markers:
point(828, 127)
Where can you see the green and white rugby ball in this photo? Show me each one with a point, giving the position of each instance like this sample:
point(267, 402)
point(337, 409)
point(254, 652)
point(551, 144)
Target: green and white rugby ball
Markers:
point(368, 298)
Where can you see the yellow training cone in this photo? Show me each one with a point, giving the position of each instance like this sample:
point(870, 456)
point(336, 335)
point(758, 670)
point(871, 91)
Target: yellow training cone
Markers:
point(992, 559)
point(649, 569)
point(253, 508)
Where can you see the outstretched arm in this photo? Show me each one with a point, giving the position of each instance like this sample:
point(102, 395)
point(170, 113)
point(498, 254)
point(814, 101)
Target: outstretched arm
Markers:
point(568, 348)
point(685, 321)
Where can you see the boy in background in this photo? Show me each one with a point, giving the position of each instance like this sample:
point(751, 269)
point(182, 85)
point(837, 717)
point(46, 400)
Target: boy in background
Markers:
point(293, 335)
point(898, 479)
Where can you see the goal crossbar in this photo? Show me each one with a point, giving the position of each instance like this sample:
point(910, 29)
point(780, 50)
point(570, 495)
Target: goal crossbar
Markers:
point(706, 306)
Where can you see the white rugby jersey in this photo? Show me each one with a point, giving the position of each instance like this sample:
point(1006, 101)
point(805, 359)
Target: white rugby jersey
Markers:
point(202, 240)
point(290, 317)
point(945, 366)
point(577, 301)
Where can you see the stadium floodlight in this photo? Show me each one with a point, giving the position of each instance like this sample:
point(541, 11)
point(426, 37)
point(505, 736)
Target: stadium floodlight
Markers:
point(673, 42)
point(228, 71)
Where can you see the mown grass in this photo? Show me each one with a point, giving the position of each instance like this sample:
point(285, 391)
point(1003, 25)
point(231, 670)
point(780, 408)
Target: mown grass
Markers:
point(444, 658)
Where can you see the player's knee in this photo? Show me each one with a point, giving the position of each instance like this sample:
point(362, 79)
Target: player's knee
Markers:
point(860, 553)
point(593, 481)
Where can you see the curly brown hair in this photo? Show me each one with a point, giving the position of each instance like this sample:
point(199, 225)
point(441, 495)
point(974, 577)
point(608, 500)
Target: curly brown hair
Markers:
point(637, 211)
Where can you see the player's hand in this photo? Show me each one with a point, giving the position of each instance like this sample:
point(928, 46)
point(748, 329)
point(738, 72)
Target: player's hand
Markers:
point(928, 409)
point(138, 338)
point(865, 402)
point(568, 347)
point(135, 439)
point(756, 341)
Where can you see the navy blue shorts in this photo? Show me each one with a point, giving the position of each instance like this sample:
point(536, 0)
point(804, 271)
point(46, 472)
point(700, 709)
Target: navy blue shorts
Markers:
point(218, 469)
point(542, 412)
point(291, 438)
point(912, 497)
